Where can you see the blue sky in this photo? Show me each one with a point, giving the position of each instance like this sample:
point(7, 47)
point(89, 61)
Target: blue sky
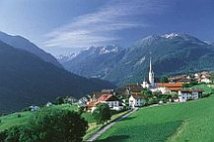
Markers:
point(72, 25)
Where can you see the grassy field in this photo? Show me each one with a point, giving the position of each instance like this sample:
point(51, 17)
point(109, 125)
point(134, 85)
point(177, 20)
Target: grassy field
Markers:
point(185, 122)
point(21, 118)
point(93, 127)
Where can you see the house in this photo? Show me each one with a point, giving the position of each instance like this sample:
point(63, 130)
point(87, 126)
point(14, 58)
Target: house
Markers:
point(49, 104)
point(108, 91)
point(181, 78)
point(34, 108)
point(192, 94)
point(136, 100)
point(96, 95)
point(205, 80)
point(70, 99)
point(134, 88)
point(169, 87)
point(113, 102)
point(82, 102)
point(203, 77)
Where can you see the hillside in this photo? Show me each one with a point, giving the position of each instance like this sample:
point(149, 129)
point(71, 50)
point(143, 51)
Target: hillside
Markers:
point(24, 44)
point(25, 79)
point(171, 54)
point(191, 121)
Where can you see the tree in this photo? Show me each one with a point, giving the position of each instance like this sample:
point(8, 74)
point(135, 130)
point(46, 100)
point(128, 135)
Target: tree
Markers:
point(164, 79)
point(59, 100)
point(174, 96)
point(54, 125)
point(146, 93)
point(102, 113)
point(212, 77)
point(3, 136)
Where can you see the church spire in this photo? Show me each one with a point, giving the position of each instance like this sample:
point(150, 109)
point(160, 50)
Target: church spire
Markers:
point(150, 65)
point(151, 74)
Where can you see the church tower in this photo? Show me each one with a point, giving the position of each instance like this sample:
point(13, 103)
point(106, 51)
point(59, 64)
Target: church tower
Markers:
point(151, 75)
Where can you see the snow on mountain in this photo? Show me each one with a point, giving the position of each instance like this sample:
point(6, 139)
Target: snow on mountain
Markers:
point(107, 50)
point(171, 35)
point(67, 57)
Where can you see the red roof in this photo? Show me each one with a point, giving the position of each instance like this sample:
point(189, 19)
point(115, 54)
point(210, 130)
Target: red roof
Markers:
point(92, 104)
point(107, 97)
point(171, 86)
point(102, 98)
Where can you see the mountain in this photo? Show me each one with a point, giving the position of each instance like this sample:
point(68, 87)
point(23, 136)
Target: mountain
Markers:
point(94, 62)
point(25, 79)
point(66, 57)
point(171, 54)
point(24, 44)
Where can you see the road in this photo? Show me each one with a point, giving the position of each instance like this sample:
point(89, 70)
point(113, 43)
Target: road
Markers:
point(104, 129)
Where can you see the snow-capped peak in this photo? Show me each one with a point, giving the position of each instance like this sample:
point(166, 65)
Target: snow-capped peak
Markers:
point(106, 50)
point(67, 57)
point(171, 35)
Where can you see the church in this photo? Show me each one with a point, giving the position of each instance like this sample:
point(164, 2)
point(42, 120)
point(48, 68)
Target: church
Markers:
point(151, 81)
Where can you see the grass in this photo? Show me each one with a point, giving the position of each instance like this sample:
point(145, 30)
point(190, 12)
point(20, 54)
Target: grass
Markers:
point(13, 120)
point(93, 127)
point(184, 122)
point(21, 118)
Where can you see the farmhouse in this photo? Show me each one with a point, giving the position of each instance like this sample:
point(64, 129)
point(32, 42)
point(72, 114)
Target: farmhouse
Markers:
point(136, 100)
point(185, 95)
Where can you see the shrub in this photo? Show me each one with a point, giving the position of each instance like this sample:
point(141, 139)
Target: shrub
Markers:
point(19, 115)
point(102, 113)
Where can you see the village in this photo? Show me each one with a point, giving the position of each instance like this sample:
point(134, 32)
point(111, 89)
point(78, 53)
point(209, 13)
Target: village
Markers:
point(174, 89)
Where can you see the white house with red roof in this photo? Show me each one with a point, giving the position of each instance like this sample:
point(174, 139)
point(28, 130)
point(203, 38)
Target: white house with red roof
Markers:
point(113, 102)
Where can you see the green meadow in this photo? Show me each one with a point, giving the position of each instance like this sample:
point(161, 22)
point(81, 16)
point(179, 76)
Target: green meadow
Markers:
point(184, 122)
point(21, 118)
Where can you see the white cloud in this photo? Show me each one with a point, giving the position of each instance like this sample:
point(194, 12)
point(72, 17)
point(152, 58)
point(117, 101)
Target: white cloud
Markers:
point(102, 26)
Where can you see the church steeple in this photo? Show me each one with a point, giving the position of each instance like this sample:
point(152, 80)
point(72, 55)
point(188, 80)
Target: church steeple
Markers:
point(151, 74)
point(150, 65)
